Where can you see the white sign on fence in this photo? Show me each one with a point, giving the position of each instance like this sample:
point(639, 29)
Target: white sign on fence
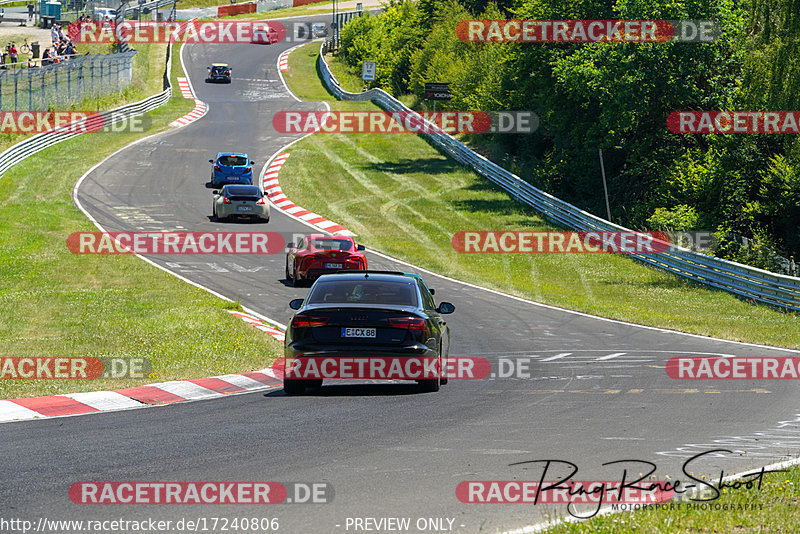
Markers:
point(368, 69)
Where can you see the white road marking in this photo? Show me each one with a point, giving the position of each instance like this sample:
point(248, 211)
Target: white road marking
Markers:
point(556, 357)
point(610, 356)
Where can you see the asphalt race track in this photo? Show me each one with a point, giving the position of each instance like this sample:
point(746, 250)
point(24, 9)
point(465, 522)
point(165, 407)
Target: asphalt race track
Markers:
point(597, 390)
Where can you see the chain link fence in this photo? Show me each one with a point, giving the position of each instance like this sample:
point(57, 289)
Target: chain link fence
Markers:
point(63, 84)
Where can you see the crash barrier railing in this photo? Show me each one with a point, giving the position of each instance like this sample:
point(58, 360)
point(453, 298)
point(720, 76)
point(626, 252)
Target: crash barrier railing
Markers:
point(747, 282)
point(147, 8)
point(38, 142)
point(62, 84)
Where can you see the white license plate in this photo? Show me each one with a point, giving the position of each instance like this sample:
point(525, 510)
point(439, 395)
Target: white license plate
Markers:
point(358, 332)
point(244, 208)
point(333, 265)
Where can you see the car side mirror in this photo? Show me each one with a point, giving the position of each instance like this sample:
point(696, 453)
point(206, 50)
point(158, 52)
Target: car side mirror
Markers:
point(252, 163)
point(290, 244)
point(215, 192)
point(360, 247)
point(211, 161)
point(433, 291)
point(445, 308)
point(296, 304)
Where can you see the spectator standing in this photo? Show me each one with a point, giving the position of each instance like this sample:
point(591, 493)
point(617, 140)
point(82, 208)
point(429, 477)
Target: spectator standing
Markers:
point(13, 54)
point(31, 8)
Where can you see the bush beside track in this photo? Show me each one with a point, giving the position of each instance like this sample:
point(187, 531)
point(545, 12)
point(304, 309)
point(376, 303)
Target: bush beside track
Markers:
point(55, 303)
point(404, 198)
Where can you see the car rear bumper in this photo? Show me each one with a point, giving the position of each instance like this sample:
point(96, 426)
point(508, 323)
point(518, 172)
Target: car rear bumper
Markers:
point(311, 349)
point(313, 274)
point(373, 364)
point(229, 210)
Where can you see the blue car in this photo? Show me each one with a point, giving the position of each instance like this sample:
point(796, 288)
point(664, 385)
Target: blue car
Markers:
point(231, 168)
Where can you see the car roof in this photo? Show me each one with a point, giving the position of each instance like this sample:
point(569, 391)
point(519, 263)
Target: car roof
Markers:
point(223, 154)
point(219, 64)
point(326, 236)
point(240, 189)
point(367, 275)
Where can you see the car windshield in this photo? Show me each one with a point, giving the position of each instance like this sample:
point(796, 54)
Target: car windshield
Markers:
point(232, 160)
point(332, 244)
point(363, 292)
point(243, 190)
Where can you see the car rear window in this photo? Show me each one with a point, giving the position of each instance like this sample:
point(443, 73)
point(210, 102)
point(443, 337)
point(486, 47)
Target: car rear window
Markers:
point(232, 160)
point(243, 191)
point(332, 244)
point(219, 70)
point(363, 292)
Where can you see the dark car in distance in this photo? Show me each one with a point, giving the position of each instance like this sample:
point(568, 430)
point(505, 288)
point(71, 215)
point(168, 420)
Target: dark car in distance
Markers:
point(219, 72)
point(367, 315)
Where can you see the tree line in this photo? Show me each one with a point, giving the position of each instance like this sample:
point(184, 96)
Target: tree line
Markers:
point(617, 97)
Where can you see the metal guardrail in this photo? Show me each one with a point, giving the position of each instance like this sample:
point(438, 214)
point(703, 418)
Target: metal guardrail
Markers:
point(38, 142)
point(747, 282)
point(64, 83)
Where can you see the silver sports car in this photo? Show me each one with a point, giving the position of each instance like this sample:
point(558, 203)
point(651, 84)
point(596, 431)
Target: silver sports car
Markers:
point(242, 201)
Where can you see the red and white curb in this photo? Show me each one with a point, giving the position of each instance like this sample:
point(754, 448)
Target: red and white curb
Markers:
point(272, 330)
point(137, 397)
point(186, 89)
point(278, 199)
point(283, 60)
point(149, 395)
point(200, 107)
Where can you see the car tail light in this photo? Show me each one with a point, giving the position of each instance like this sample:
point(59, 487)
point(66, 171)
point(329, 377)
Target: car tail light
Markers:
point(226, 200)
point(262, 201)
point(308, 321)
point(409, 323)
point(248, 170)
point(216, 167)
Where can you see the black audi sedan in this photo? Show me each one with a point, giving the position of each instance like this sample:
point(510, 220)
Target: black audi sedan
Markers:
point(373, 325)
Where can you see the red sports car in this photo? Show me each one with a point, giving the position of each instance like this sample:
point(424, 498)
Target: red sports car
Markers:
point(317, 254)
point(265, 36)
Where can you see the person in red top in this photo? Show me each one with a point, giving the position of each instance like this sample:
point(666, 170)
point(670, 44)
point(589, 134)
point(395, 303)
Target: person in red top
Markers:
point(13, 53)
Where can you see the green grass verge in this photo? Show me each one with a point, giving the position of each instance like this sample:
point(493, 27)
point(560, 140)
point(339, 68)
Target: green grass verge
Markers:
point(56, 304)
point(402, 197)
point(772, 508)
